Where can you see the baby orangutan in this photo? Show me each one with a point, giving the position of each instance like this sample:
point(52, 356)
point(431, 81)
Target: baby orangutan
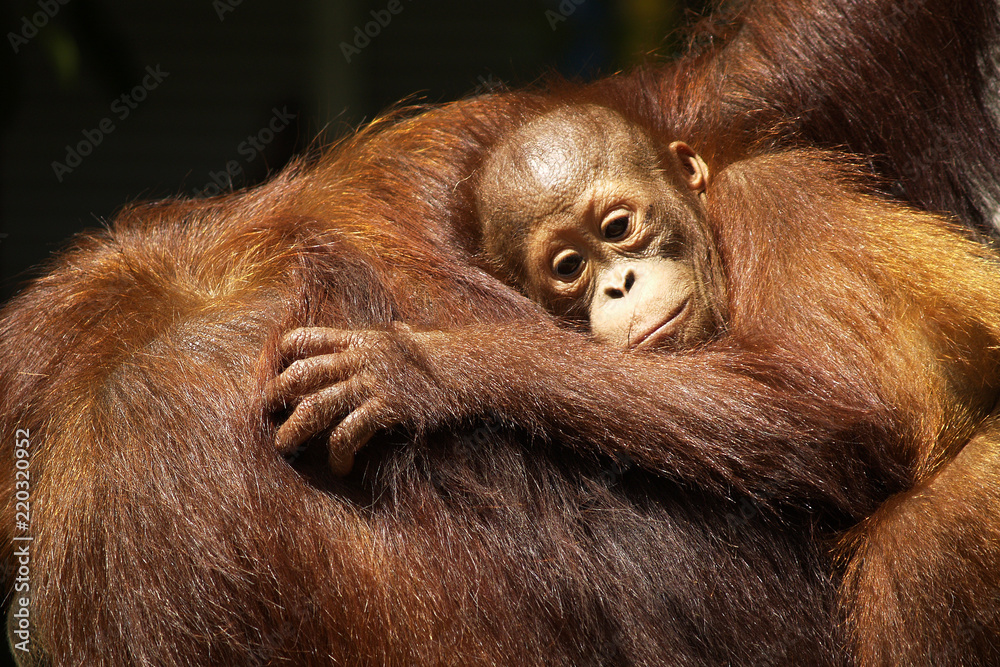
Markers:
point(583, 212)
point(774, 330)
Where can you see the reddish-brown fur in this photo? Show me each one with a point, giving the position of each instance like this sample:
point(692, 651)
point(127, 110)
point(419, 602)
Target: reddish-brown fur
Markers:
point(168, 532)
point(861, 353)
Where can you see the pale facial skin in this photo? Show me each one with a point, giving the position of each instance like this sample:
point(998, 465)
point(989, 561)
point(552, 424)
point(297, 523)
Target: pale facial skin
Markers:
point(607, 225)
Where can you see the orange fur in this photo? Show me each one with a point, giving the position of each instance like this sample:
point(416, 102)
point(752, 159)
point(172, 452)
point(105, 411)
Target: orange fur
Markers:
point(168, 532)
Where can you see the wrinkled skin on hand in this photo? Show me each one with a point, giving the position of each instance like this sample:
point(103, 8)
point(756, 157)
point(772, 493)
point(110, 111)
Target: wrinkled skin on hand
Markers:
point(358, 381)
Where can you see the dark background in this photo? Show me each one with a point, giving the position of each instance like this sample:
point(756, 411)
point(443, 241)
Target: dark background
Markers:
point(228, 64)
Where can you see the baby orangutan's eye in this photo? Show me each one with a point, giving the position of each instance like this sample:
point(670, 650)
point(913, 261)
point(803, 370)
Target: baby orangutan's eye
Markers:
point(567, 265)
point(616, 226)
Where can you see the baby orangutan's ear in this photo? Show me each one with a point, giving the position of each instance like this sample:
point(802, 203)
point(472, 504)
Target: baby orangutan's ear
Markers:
point(691, 165)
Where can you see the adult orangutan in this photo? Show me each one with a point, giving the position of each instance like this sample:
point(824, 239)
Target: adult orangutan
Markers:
point(166, 530)
point(159, 499)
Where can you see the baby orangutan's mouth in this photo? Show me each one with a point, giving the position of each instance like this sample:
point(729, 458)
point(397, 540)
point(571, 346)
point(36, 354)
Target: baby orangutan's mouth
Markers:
point(666, 329)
